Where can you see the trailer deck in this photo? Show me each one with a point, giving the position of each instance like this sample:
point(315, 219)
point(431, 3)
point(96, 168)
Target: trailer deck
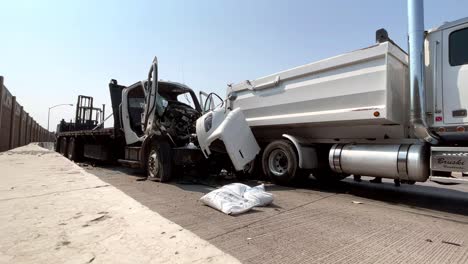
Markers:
point(97, 132)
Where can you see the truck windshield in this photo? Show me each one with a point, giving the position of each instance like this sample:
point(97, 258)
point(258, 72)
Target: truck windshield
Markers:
point(186, 99)
point(458, 51)
point(177, 93)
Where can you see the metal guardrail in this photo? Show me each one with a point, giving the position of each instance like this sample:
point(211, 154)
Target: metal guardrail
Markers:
point(17, 127)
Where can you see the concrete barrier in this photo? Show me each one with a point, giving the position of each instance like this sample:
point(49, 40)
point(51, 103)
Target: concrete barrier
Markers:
point(17, 127)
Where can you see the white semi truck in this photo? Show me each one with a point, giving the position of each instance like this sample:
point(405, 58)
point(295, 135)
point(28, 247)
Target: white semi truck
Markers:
point(377, 111)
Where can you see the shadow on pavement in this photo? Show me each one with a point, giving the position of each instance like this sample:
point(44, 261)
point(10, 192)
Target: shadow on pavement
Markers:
point(414, 196)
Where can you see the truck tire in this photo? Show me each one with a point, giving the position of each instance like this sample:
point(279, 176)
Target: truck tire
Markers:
point(57, 145)
point(71, 149)
point(75, 149)
point(159, 161)
point(280, 162)
point(63, 146)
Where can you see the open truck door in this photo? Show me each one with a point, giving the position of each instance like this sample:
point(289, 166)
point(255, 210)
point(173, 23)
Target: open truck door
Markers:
point(226, 130)
point(202, 98)
point(151, 91)
point(207, 101)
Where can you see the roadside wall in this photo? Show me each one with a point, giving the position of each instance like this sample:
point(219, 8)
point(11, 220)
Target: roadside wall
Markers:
point(17, 127)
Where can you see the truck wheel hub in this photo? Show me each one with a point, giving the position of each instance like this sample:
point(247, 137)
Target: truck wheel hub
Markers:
point(278, 162)
point(153, 164)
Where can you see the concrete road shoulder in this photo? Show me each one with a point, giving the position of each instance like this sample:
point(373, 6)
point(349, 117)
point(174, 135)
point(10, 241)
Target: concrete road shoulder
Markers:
point(55, 212)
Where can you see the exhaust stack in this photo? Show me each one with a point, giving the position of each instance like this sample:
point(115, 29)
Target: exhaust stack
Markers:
point(416, 67)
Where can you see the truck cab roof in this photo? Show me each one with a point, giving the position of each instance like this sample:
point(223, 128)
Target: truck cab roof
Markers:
point(449, 24)
point(167, 87)
point(170, 90)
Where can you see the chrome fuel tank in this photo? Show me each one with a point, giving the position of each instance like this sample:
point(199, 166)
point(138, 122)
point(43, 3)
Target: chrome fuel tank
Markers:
point(399, 161)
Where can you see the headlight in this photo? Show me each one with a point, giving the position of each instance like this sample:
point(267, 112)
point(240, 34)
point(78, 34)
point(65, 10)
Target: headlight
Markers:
point(208, 122)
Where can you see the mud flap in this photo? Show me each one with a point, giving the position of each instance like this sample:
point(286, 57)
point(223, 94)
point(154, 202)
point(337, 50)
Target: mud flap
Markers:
point(232, 129)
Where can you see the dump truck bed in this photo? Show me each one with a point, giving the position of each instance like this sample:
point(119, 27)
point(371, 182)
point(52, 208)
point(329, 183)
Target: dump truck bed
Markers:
point(358, 94)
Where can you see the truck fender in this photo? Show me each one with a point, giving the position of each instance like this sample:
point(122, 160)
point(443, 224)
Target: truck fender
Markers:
point(307, 155)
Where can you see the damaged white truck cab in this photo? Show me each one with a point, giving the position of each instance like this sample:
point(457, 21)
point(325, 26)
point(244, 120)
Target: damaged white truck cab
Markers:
point(376, 111)
point(227, 131)
point(154, 128)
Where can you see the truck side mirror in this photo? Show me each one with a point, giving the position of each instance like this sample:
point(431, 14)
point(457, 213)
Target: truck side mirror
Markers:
point(232, 96)
point(381, 35)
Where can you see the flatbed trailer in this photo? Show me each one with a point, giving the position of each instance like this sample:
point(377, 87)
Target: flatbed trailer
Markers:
point(100, 144)
point(99, 132)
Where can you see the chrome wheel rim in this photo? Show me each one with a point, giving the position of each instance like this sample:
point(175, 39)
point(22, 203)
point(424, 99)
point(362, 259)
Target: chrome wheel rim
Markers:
point(278, 162)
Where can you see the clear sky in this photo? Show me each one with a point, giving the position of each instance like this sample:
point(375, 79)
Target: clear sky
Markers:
point(52, 51)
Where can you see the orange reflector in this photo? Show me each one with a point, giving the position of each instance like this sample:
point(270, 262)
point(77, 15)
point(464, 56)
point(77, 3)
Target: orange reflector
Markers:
point(460, 129)
point(441, 129)
point(376, 114)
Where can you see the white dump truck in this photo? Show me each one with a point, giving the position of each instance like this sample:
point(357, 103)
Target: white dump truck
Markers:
point(377, 111)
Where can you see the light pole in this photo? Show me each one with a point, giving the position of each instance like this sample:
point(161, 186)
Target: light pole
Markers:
point(48, 115)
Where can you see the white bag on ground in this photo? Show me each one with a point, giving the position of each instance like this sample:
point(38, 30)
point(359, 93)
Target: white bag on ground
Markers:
point(237, 188)
point(227, 201)
point(258, 196)
point(237, 198)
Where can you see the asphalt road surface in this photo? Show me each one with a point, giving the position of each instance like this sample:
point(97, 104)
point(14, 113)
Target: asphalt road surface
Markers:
point(348, 222)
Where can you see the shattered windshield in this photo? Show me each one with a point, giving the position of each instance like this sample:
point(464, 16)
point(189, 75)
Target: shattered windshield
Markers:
point(161, 104)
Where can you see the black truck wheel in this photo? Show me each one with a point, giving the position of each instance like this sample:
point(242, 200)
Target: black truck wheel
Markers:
point(280, 162)
point(63, 146)
point(74, 150)
point(57, 145)
point(159, 162)
point(71, 149)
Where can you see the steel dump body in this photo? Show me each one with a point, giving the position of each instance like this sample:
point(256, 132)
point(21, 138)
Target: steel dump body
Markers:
point(361, 94)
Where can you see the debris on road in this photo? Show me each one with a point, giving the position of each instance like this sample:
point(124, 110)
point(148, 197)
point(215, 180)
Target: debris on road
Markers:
point(451, 243)
point(237, 198)
point(357, 202)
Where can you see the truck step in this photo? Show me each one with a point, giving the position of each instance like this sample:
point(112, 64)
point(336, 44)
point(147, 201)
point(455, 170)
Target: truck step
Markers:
point(132, 153)
point(454, 159)
point(129, 163)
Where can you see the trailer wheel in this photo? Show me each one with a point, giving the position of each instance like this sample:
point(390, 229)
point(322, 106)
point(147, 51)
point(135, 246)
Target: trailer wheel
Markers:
point(280, 162)
point(57, 145)
point(73, 149)
point(63, 146)
point(159, 165)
